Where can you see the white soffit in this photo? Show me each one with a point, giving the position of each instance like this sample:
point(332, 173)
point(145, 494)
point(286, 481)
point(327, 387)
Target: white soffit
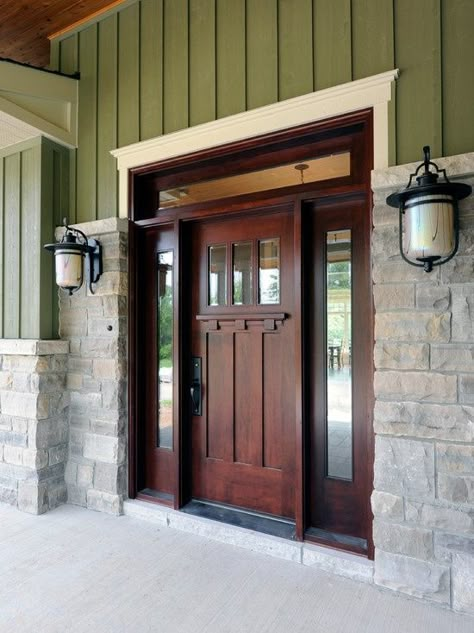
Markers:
point(35, 102)
point(372, 92)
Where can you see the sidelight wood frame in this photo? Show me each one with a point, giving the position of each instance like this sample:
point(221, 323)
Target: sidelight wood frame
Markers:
point(354, 132)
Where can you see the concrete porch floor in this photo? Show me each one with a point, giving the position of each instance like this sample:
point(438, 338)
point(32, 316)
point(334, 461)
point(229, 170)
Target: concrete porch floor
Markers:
point(77, 570)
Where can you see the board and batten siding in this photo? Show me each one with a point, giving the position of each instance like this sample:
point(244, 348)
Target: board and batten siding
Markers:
point(33, 196)
point(151, 67)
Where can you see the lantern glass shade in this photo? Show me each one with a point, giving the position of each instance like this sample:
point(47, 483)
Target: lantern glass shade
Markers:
point(68, 267)
point(429, 227)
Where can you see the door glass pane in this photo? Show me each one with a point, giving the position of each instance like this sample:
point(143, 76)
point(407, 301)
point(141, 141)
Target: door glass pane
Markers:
point(242, 274)
point(339, 354)
point(165, 350)
point(269, 271)
point(217, 275)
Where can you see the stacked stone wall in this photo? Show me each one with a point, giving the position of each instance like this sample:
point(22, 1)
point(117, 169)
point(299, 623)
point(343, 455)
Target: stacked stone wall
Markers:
point(95, 324)
point(33, 423)
point(423, 499)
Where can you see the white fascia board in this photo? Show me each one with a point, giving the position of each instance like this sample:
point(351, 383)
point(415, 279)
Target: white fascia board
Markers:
point(44, 100)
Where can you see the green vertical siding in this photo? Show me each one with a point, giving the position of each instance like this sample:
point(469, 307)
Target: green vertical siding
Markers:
point(151, 68)
point(262, 52)
point(332, 46)
point(175, 65)
point(33, 195)
point(418, 110)
point(458, 83)
point(155, 66)
point(202, 62)
point(107, 118)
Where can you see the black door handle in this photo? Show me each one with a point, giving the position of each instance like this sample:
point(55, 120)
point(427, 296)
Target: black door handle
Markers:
point(196, 390)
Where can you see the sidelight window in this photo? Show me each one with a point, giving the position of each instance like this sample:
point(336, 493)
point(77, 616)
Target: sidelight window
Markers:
point(165, 349)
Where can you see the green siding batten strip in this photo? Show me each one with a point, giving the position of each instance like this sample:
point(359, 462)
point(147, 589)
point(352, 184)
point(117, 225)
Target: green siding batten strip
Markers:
point(128, 75)
point(295, 23)
point(230, 62)
point(175, 60)
point(12, 247)
point(54, 53)
point(372, 37)
point(458, 84)
point(30, 246)
point(262, 52)
point(418, 56)
point(202, 61)
point(87, 150)
point(151, 69)
point(332, 43)
point(107, 118)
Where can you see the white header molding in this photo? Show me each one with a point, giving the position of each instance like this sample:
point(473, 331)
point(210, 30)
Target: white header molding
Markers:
point(373, 92)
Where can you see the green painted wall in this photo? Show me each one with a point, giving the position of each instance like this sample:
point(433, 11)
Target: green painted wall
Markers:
point(33, 197)
point(151, 67)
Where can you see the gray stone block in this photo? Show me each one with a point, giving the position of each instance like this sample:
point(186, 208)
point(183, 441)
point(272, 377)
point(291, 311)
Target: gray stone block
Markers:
point(418, 327)
point(430, 421)
point(463, 582)
point(426, 386)
point(437, 298)
point(463, 309)
point(422, 579)
point(455, 458)
point(400, 539)
point(33, 497)
point(404, 467)
point(104, 449)
point(9, 494)
point(110, 478)
point(466, 388)
point(104, 502)
point(387, 506)
point(76, 495)
point(446, 544)
point(389, 355)
point(439, 517)
point(452, 357)
point(456, 489)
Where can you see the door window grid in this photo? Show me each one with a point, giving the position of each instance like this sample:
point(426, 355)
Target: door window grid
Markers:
point(242, 275)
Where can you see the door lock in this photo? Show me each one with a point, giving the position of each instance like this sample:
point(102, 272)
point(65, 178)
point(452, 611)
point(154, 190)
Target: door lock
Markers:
point(196, 387)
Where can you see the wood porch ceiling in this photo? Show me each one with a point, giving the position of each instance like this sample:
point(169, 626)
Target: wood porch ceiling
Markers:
point(26, 24)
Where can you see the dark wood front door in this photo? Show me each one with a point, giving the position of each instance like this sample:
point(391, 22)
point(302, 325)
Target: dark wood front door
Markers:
point(243, 443)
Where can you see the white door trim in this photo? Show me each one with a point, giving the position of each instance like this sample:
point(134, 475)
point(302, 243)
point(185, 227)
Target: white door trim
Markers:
point(372, 92)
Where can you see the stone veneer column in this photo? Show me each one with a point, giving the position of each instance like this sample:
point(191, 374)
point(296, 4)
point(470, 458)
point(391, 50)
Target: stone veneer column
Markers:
point(96, 327)
point(33, 423)
point(423, 498)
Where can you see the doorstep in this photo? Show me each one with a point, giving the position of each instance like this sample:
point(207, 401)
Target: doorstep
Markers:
point(333, 561)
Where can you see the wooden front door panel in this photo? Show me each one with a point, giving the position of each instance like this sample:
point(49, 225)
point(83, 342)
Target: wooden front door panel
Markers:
point(243, 444)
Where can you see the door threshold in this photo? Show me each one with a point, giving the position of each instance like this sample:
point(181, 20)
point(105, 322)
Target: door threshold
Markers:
point(274, 526)
point(326, 559)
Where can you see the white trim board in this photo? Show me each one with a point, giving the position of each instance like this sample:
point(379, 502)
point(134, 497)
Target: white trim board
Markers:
point(372, 92)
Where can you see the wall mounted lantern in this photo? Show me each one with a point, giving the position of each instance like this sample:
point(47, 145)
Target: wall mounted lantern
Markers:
point(429, 226)
point(74, 252)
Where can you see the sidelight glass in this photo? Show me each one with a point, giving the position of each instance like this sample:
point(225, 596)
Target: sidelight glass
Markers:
point(339, 354)
point(269, 271)
point(242, 274)
point(165, 349)
point(217, 275)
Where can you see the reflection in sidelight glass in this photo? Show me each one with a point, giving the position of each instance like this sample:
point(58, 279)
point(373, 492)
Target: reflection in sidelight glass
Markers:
point(165, 350)
point(269, 271)
point(339, 354)
point(217, 275)
point(242, 274)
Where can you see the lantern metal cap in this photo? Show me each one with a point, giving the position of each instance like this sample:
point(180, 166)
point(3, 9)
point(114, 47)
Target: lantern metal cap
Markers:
point(428, 185)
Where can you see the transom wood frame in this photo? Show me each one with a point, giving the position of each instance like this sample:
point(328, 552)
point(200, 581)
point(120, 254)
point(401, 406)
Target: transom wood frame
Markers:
point(353, 132)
